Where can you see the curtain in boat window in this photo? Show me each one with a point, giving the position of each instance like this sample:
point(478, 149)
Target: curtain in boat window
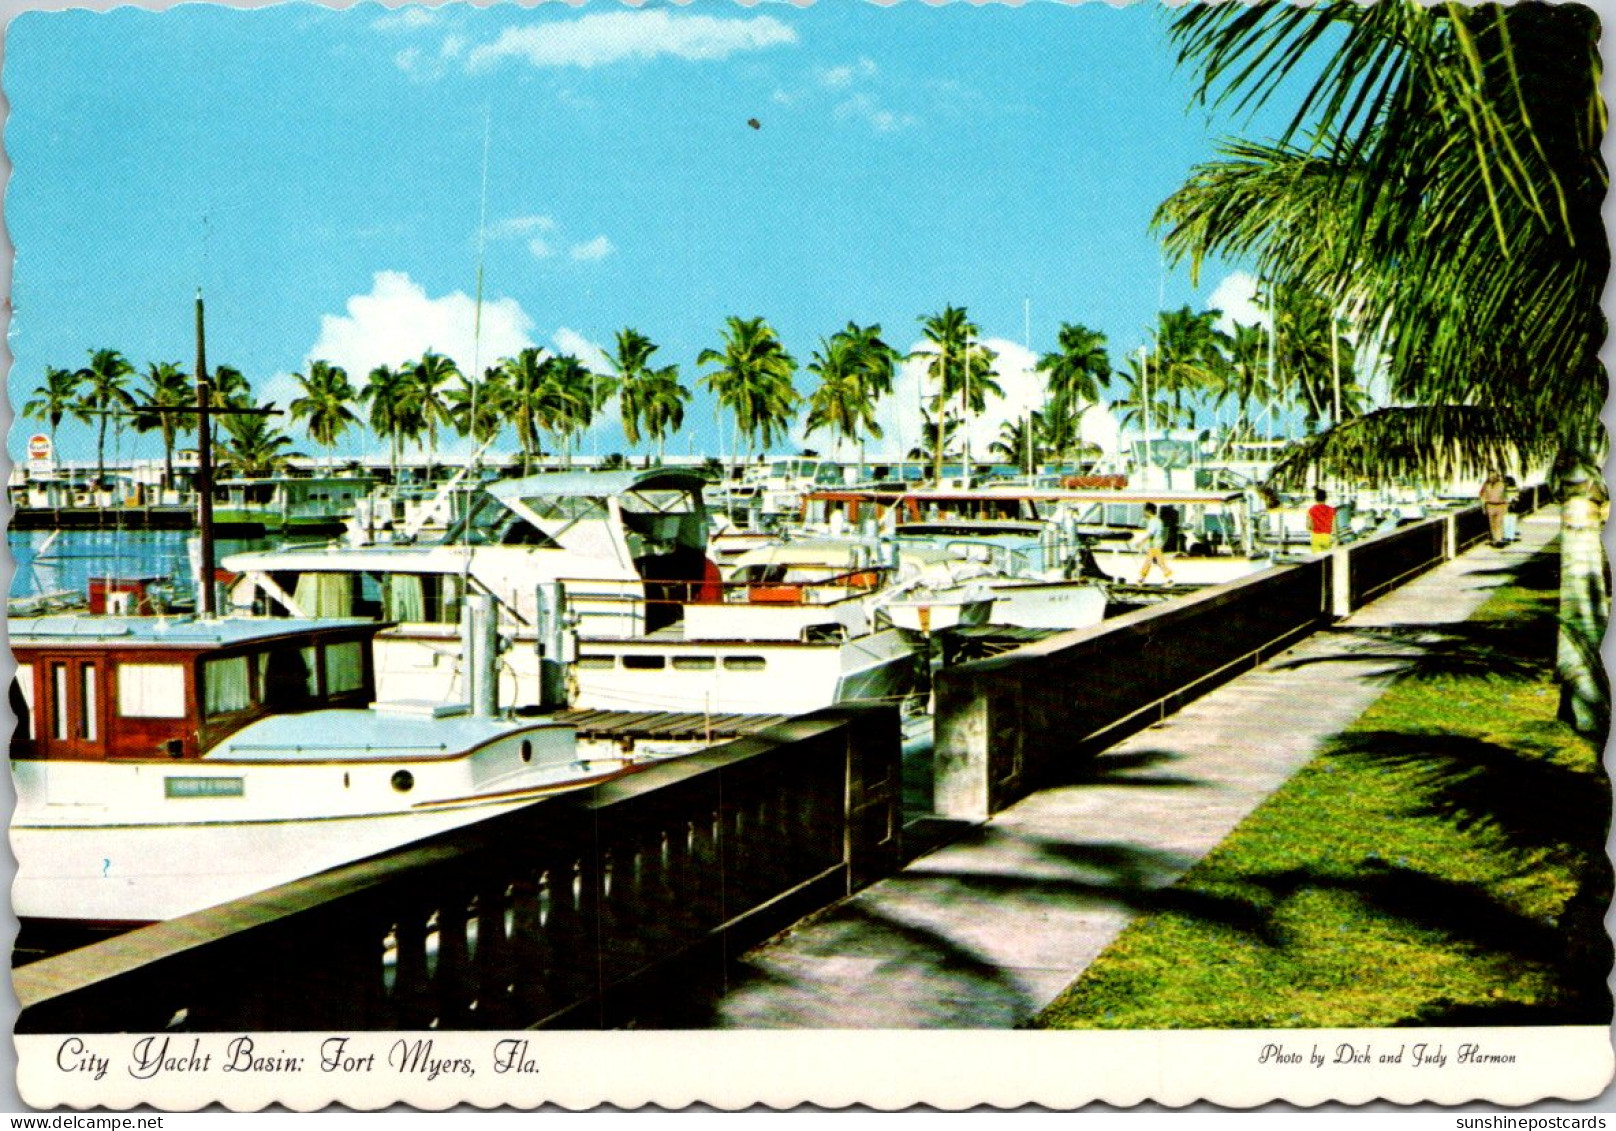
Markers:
point(449, 606)
point(225, 685)
point(344, 667)
point(404, 598)
point(151, 691)
point(325, 594)
point(311, 670)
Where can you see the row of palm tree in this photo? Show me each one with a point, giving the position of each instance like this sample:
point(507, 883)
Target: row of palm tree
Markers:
point(1306, 366)
point(547, 398)
point(104, 392)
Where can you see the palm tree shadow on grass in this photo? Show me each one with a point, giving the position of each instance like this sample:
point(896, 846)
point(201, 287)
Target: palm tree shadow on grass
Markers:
point(1519, 800)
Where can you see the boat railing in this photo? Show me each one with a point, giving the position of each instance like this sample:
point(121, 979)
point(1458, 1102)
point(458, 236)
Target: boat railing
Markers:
point(593, 598)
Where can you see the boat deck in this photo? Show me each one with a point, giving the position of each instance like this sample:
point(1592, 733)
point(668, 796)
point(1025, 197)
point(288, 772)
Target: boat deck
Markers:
point(662, 724)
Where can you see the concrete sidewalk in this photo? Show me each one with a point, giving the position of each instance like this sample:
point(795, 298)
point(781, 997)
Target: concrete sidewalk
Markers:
point(985, 932)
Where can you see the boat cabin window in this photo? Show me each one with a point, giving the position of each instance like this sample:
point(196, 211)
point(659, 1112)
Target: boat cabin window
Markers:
point(226, 685)
point(428, 598)
point(325, 594)
point(656, 521)
point(344, 667)
point(744, 663)
point(151, 691)
point(283, 677)
point(58, 675)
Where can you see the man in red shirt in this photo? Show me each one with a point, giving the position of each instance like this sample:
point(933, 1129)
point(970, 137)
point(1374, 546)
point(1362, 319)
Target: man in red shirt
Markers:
point(1321, 522)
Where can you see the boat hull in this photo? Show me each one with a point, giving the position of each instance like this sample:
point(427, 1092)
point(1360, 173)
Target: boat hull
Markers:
point(114, 842)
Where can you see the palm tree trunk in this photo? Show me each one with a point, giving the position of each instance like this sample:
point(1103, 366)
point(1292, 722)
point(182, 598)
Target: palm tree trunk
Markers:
point(1584, 613)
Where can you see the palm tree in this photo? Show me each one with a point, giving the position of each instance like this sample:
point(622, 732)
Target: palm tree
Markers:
point(388, 418)
point(582, 393)
point(254, 447)
point(1248, 373)
point(105, 394)
point(525, 384)
point(958, 365)
point(661, 406)
point(1023, 441)
point(1189, 360)
point(167, 386)
point(422, 396)
point(935, 436)
point(228, 387)
point(1460, 149)
point(1132, 407)
point(631, 365)
point(844, 400)
point(60, 395)
point(1075, 374)
point(753, 380)
point(325, 403)
point(477, 409)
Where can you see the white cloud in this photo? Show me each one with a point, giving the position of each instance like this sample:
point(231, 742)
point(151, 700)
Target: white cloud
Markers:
point(590, 250)
point(611, 37)
point(405, 19)
point(397, 321)
point(864, 107)
point(513, 226)
point(592, 354)
point(840, 78)
point(1024, 388)
point(1236, 296)
point(539, 248)
point(419, 65)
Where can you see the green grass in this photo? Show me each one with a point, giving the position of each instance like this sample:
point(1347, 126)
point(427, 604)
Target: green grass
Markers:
point(1441, 863)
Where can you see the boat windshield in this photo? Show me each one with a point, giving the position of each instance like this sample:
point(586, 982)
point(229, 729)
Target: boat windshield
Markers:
point(488, 522)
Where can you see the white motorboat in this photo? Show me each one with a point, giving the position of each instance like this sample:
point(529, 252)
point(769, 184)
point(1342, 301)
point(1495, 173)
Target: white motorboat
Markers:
point(605, 574)
point(165, 766)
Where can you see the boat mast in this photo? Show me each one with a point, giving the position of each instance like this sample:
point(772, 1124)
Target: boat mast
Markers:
point(204, 471)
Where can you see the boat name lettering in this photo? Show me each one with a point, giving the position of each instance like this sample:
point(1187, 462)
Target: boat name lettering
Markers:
point(202, 787)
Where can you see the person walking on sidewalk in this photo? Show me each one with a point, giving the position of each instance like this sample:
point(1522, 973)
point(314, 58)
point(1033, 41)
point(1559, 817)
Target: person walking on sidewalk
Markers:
point(1495, 500)
point(1154, 539)
point(1512, 498)
point(1321, 522)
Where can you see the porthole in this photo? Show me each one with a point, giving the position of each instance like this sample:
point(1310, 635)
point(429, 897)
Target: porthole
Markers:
point(403, 781)
point(527, 750)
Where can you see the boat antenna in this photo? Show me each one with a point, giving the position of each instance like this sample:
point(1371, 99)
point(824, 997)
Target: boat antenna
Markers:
point(476, 359)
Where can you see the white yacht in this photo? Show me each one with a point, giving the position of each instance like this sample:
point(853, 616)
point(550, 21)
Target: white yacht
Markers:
point(609, 598)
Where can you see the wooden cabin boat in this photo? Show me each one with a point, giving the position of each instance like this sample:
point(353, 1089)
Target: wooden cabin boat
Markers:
point(164, 766)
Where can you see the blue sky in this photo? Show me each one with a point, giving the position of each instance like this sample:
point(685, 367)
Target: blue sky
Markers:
point(318, 173)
